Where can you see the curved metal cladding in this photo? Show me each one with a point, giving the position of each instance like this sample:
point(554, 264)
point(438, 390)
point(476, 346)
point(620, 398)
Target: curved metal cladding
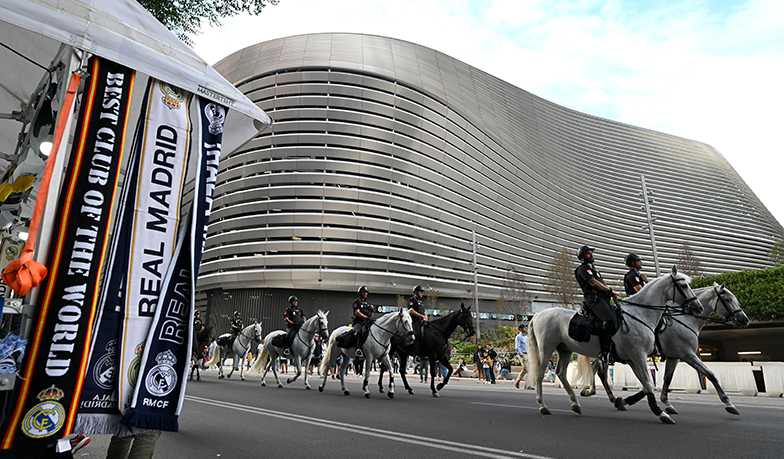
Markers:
point(385, 155)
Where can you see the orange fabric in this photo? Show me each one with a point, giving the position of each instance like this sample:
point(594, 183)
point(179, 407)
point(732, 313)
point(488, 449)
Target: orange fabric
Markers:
point(24, 273)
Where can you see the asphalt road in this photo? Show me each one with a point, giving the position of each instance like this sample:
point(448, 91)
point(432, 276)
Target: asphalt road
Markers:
point(240, 419)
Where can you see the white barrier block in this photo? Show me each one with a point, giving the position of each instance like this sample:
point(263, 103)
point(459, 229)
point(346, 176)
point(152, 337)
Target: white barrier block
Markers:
point(773, 373)
point(622, 376)
point(685, 378)
point(733, 376)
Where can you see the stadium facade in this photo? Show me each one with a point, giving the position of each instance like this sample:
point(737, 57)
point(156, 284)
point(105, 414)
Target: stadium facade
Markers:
point(386, 156)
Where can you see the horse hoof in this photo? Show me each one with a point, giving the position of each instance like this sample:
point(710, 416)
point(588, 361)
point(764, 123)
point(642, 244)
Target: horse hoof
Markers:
point(229, 376)
point(620, 404)
point(410, 391)
point(731, 409)
point(585, 393)
point(367, 394)
point(435, 394)
point(307, 387)
point(280, 386)
point(345, 392)
point(670, 410)
point(577, 409)
point(242, 378)
point(263, 384)
point(440, 386)
point(544, 410)
point(220, 377)
point(391, 395)
point(288, 381)
point(380, 390)
point(665, 418)
point(321, 389)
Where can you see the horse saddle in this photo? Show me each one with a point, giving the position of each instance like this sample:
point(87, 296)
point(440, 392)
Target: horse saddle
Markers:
point(585, 323)
point(279, 341)
point(224, 339)
point(346, 340)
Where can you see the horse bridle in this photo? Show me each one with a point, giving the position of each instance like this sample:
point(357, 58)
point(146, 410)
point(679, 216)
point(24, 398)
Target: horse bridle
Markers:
point(256, 337)
point(321, 329)
point(685, 307)
point(393, 333)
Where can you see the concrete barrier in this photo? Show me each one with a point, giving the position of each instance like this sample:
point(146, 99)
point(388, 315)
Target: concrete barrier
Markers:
point(733, 376)
point(773, 373)
point(685, 378)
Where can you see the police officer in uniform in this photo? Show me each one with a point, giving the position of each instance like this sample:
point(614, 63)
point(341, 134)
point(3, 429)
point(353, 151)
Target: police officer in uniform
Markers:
point(597, 297)
point(198, 325)
point(294, 319)
point(363, 313)
point(633, 281)
point(416, 307)
point(236, 326)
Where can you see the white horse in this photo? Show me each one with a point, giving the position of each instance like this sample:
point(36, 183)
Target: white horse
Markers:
point(679, 340)
point(375, 347)
point(248, 338)
point(302, 348)
point(549, 331)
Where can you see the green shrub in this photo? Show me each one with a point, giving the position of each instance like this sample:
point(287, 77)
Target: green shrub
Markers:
point(760, 292)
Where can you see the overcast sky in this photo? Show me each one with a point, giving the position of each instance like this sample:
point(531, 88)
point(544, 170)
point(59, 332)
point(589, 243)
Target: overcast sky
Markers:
point(708, 70)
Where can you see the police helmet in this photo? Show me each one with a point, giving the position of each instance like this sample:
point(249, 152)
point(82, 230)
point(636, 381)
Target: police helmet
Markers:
point(293, 298)
point(418, 288)
point(196, 312)
point(582, 250)
point(631, 258)
point(363, 289)
point(236, 313)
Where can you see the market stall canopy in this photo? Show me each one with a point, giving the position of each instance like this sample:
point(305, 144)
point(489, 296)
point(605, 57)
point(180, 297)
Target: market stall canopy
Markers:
point(32, 31)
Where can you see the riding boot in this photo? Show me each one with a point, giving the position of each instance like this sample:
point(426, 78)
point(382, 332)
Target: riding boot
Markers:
point(360, 341)
point(605, 338)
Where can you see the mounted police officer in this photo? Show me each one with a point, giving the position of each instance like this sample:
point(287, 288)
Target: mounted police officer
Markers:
point(416, 307)
point(597, 298)
point(198, 325)
point(363, 313)
point(294, 318)
point(236, 326)
point(633, 281)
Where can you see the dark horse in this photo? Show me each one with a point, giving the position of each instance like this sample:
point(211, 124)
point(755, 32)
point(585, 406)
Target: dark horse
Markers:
point(434, 345)
point(199, 343)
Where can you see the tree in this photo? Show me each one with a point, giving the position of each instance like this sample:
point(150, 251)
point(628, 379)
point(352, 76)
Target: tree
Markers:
point(689, 263)
point(560, 279)
point(776, 256)
point(183, 17)
point(402, 302)
point(515, 298)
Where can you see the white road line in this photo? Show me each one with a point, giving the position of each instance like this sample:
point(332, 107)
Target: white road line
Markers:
point(518, 406)
point(453, 446)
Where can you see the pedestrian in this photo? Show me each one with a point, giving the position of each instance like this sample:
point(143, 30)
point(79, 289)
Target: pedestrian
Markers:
point(521, 347)
point(140, 446)
point(493, 356)
point(487, 365)
point(478, 363)
point(506, 368)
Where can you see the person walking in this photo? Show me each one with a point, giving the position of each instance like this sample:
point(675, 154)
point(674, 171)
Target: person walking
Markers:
point(521, 347)
point(493, 356)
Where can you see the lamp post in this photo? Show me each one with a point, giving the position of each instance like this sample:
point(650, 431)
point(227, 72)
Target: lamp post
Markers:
point(647, 199)
point(476, 288)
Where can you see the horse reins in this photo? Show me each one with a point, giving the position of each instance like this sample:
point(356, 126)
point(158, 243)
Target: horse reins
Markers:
point(677, 286)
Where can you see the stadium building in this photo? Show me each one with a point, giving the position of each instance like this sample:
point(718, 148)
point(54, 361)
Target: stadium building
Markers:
point(386, 159)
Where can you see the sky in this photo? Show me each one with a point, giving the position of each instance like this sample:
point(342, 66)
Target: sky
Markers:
point(707, 70)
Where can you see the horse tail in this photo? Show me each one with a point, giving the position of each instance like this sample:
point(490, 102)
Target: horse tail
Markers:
point(261, 360)
point(326, 360)
point(215, 357)
point(534, 359)
point(584, 370)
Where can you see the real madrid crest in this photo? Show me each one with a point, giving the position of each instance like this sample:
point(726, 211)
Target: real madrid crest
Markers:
point(172, 95)
point(162, 378)
point(45, 418)
point(106, 366)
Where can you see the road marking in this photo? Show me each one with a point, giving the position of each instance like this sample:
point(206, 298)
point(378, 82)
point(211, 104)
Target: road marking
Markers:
point(518, 406)
point(453, 446)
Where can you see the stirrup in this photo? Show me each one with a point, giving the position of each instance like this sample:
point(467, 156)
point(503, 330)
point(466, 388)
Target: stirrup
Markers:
point(286, 351)
point(417, 359)
point(359, 353)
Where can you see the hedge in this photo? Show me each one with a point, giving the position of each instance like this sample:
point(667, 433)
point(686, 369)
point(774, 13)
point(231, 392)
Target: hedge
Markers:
point(760, 292)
